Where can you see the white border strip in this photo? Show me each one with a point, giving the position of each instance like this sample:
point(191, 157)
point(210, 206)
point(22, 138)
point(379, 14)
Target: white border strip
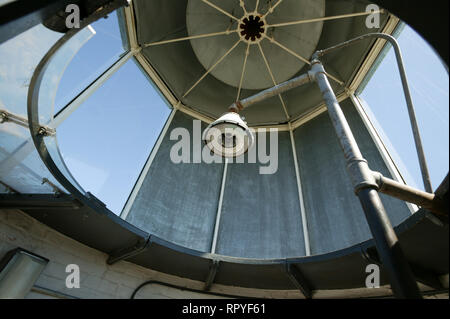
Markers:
point(131, 25)
point(140, 181)
point(188, 111)
point(130, 22)
point(300, 197)
point(219, 208)
point(387, 159)
point(156, 79)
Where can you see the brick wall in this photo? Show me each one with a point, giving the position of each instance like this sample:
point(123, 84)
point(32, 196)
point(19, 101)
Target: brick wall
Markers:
point(97, 279)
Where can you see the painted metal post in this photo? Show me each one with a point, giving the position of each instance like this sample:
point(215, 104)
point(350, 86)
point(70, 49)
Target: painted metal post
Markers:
point(401, 278)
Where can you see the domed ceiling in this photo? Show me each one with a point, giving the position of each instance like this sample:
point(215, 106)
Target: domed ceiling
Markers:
point(211, 53)
point(250, 32)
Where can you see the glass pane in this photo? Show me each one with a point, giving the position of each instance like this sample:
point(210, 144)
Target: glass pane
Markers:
point(55, 70)
point(55, 154)
point(18, 59)
point(108, 139)
point(94, 58)
point(386, 106)
point(20, 165)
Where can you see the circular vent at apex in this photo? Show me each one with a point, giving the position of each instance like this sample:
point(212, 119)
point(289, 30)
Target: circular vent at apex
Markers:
point(240, 38)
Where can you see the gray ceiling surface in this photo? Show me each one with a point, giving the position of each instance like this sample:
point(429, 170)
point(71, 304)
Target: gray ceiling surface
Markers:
point(181, 64)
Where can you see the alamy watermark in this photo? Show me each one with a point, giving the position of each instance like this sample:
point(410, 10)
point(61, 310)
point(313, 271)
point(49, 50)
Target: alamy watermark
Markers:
point(73, 17)
point(191, 149)
point(373, 277)
point(73, 278)
point(373, 19)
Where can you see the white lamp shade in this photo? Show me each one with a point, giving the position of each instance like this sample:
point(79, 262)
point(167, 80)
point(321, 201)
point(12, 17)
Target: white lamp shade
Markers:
point(229, 136)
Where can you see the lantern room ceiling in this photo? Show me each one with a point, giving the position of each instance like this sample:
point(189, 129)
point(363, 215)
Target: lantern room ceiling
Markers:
point(209, 53)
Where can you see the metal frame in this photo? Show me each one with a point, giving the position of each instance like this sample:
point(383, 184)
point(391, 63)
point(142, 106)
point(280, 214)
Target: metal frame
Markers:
point(6, 116)
point(300, 195)
point(219, 208)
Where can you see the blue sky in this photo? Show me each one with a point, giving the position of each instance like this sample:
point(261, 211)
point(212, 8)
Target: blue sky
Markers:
point(107, 140)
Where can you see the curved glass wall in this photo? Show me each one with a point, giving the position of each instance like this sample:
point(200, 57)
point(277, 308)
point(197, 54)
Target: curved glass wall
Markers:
point(100, 140)
point(20, 165)
point(428, 79)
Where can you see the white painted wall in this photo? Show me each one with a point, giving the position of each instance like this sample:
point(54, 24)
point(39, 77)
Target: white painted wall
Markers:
point(97, 279)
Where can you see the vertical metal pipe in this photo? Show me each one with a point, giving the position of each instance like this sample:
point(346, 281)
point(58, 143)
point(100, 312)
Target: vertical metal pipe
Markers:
point(412, 117)
point(402, 280)
point(400, 275)
point(219, 208)
point(411, 112)
point(300, 195)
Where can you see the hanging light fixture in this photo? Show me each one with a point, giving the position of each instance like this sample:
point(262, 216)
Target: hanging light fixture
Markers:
point(229, 136)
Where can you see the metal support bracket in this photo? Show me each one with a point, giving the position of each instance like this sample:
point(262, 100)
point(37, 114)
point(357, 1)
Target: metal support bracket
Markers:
point(127, 252)
point(213, 268)
point(55, 188)
point(409, 194)
point(299, 280)
point(6, 116)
